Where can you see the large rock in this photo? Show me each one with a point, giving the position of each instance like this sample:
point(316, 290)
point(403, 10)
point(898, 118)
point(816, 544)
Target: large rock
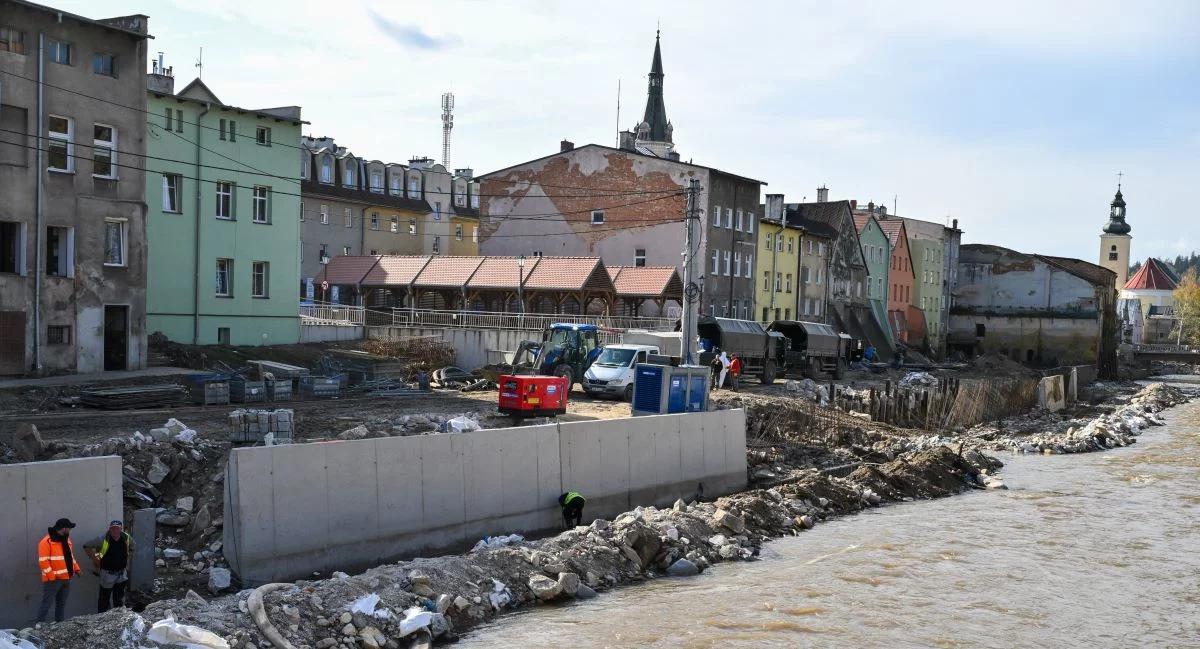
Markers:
point(729, 521)
point(173, 518)
point(358, 432)
point(544, 588)
point(158, 470)
point(219, 579)
point(568, 583)
point(683, 568)
point(27, 442)
point(201, 520)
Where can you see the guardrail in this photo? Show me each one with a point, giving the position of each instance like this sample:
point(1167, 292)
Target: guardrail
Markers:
point(1166, 349)
point(523, 321)
point(332, 315)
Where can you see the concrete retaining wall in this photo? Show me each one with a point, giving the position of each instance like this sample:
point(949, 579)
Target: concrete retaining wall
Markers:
point(32, 497)
point(349, 505)
point(329, 333)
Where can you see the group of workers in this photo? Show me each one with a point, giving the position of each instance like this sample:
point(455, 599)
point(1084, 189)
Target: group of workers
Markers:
point(111, 554)
point(725, 365)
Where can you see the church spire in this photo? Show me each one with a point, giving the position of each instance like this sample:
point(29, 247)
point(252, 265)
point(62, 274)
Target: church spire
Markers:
point(654, 126)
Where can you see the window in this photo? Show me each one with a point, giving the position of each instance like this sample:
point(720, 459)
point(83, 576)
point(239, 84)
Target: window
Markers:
point(716, 216)
point(749, 222)
point(778, 282)
point(414, 188)
point(262, 135)
point(749, 264)
point(347, 218)
point(437, 211)
point(61, 147)
point(260, 272)
point(791, 242)
point(397, 188)
point(980, 330)
point(104, 151)
point(171, 187)
point(114, 242)
point(767, 239)
point(810, 246)
point(58, 52)
point(474, 202)
point(374, 220)
point(437, 245)
point(395, 225)
point(820, 249)
point(458, 232)
point(597, 217)
point(323, 253)
point(262, 205)
point(58, 335)
point(727, 259)
point(787, 284)
point(374, 252)
point(764, 318)
point(105, 64)
point(222, 130)
point(12, 40)
point(816, 306)
point(728, 218)
point(807, 306)
point(178, 121)
point(60, 249)
point(804, 275)
point(224, 280)
point(346, 250)
point(224, 200)
point(232, 131)
point(324, 215)
point(716, 262)
point(820, 274)
point(302, 218)
point(738, 225)
point(737, 264)
point(766, 284)
point(348, 173)
point(474, 234)
point(377, 181)
point(326, 170)
point(169, 112)
point(412, 226)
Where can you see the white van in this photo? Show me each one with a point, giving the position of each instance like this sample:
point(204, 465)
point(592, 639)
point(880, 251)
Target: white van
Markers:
point(612, 373)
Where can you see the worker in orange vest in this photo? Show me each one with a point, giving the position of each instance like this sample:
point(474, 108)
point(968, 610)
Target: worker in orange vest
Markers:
point(56, 558)
point(735, 371)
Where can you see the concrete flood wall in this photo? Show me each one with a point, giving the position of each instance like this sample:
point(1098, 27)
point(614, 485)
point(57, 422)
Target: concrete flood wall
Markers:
point(32, 497)
point(349, 505)
point(329, 333)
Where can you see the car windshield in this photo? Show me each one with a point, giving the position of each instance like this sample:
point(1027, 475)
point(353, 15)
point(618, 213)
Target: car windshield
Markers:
point(612, 357)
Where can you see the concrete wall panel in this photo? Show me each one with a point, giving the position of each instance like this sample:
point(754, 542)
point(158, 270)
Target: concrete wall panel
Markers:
point(442, 477)
point(483, 483)
point(301, 498)
point(399, 474)
point(614, 456)
point(353, 490)
point(32, 497)
point(250, 505)
point(645, 467)
point(518, 470)
point(714, 442)
point(581, 458)
point(691, 445)
point(735, 444)
point(550, 469)
point(668, 452)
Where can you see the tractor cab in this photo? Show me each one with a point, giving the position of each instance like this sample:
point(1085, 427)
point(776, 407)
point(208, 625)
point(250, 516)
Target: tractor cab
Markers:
point(568, 350)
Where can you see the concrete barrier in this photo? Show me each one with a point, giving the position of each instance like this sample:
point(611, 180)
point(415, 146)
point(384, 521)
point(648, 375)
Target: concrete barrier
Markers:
point(349, 505)
point(32, 497)
point(1052, 393)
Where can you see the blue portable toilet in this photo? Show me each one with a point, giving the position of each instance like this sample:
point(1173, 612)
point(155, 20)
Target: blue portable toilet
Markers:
point(662, 389)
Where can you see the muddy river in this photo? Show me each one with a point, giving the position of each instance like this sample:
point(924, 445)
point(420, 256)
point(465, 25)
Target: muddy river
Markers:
point(1095, 550)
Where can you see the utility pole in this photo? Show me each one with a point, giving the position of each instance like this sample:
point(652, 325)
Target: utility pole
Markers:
point(691, 292)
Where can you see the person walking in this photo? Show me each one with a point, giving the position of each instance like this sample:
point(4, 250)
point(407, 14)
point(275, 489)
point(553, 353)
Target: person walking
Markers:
point(572, 504)
point(111, 554)
point(735, 371)
point(715, 368)
point(56, 558)
point(724, 358)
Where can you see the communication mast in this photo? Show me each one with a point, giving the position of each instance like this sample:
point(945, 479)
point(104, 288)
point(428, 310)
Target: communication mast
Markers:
point(447, 125)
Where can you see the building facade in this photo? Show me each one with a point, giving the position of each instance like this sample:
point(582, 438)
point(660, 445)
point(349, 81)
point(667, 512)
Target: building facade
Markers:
point(794, 259)
point(1147, 305)
point(877, 250)
point(224, 227)
point(1115, 240)
point(900, 281)
point(73, 214)
point(1036, 309)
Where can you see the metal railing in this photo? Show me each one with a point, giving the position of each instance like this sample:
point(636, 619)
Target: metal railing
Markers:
point(331, 315)
point(1166, 349)
point(523, 321)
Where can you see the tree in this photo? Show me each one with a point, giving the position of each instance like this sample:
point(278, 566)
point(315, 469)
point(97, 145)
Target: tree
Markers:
point(1187, 306)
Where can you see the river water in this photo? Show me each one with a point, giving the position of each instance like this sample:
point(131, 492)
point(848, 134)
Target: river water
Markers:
point(1093, 550)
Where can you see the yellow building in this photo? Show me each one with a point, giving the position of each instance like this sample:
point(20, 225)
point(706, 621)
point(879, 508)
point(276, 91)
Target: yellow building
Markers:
point(392, 231)
point(464, 236)
point(777, 264)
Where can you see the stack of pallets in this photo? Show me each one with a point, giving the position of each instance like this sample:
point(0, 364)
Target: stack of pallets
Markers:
point(136, 396)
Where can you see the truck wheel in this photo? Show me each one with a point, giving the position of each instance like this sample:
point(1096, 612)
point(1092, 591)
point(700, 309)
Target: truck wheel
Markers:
point(840, 370)
point(629, 393)
point(565, 370)
point(768, 372)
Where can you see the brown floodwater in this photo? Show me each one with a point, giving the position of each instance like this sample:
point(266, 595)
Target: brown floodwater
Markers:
point(1094, 550)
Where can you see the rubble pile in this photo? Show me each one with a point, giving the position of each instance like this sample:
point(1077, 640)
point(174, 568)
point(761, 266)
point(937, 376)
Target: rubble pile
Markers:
point(407, 603)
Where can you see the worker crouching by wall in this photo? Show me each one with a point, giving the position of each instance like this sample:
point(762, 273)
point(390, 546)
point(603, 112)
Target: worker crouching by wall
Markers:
point(572, 504)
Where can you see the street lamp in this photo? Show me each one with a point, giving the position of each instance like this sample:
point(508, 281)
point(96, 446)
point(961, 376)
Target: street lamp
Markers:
point(521, 282)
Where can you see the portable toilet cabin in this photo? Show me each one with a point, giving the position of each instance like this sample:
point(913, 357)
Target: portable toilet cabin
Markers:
point(664, 389)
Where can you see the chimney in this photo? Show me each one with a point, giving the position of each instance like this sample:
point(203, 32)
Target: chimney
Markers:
point(774, 207)
point(871, 207)
point(822, 194)
point(161, 79)
point(565, 145)
point(955, 224)
point(853, 204)
point(627, 141)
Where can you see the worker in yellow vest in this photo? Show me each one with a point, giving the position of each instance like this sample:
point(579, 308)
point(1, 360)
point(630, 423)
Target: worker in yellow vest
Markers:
point(111, 554)
point(572, 504)
point(56, 558)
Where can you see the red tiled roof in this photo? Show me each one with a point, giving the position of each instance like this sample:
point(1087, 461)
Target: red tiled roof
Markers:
point(860, 221)
point(347, 269)
point(500, 272)
point(448, 271)
point(641, 281)
point(891, 227)
point(1152, 276)
point(566, 274)
point(395, 270)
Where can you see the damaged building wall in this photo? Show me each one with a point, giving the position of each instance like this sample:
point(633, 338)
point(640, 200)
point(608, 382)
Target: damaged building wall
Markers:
point(1026, 308)
point(32, 497)
point(292, 510)
point(89, 257)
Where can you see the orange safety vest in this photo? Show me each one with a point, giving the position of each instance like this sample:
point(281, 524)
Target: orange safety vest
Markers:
point(52, 562)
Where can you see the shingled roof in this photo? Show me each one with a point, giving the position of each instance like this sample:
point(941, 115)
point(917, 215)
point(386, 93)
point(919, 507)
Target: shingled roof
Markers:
point(395, 270)
point(453, 272)
point(646, 281)
point(501, 272)
point(568, 274)
point(347, 269)
point(1152, 276)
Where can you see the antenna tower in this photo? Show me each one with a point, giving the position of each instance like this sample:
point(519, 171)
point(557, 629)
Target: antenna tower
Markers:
point(447, 125)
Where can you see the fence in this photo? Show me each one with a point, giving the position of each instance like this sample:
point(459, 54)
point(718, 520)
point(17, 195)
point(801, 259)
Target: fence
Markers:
point(953, 404)
point(526, 321)
point(331, 315)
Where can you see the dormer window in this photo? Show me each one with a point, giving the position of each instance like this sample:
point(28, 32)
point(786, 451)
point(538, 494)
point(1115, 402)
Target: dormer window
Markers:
point(326, 169)
point(348, 173)
point(305, 161)
point(397, 186)
point(377, 181)
point(414, 188)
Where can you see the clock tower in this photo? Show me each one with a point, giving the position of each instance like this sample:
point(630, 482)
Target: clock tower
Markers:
point(1115, 240)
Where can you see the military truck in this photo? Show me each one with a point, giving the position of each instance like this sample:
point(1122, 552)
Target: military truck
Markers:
point(815, 350)
point(763, 353)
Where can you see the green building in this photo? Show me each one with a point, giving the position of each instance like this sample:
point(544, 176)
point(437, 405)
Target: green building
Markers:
point(223, 230)
point(877, 251)
point(928, 256)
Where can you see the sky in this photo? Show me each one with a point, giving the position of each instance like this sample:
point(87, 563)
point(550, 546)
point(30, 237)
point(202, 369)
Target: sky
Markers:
point(1014, 118)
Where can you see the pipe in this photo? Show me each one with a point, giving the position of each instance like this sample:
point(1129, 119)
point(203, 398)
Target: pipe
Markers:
point(40, 209)
point(258, 613)
point(196, 237)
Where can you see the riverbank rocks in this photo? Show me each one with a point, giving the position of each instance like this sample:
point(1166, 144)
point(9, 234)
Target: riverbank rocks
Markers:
point(544, 588)
point(683, 568)
point(729, 521)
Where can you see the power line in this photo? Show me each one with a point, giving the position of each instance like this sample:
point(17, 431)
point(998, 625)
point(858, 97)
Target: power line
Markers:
point(212, 128)
point(299, 180)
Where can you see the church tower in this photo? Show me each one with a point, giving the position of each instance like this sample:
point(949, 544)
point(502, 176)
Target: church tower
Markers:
point(655, 131)
point(1115, 240)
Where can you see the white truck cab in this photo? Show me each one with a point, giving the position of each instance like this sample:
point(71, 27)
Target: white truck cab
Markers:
point(612, 373)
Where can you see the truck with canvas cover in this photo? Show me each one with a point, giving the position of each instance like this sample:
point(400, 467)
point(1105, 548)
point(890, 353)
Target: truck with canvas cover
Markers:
point(815, 350)
point(763, 353)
